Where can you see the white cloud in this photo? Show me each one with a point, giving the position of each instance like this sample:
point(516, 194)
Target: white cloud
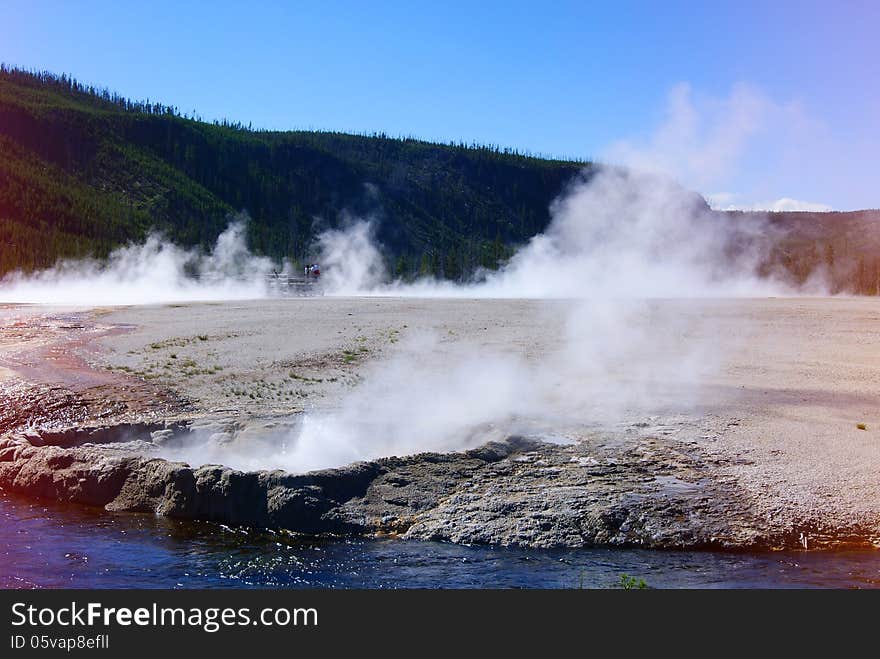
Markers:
point(735, 142)
point(727, 202)
point(701, 139)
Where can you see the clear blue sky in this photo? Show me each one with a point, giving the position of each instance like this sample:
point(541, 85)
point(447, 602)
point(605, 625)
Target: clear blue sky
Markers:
point(564, 78)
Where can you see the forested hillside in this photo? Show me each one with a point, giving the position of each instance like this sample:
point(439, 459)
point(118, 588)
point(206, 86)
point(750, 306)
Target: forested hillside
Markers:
point(83, 170)
point(840, 249)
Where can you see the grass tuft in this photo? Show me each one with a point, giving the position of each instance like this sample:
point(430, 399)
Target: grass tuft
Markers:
point(632, 583)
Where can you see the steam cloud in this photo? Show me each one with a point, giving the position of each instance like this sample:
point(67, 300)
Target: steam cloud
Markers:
point(153, 272)
point(615, 234)
point(612, 355)
point(352, 263)
point(617, 241)
point(614, 241)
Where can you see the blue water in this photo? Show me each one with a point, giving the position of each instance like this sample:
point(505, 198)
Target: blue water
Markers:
point(51, 546)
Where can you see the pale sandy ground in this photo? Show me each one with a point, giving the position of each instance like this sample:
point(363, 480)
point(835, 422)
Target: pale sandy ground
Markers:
point(273, 357)
point(809, 373)
point(777, 413)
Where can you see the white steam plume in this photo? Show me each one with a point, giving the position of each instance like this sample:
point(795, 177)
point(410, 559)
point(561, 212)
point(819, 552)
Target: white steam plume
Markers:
point(153, 272)
point(615, 240)
point(437, 396)
point(635, 235)
point(614, 234)
point(350, 260)
point(609, 355)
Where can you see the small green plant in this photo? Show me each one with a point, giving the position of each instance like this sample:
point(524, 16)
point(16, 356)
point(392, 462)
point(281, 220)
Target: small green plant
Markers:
point(632, 583)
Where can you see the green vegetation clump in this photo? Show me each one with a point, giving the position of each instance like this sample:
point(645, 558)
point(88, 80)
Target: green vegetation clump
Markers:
point(632, 583)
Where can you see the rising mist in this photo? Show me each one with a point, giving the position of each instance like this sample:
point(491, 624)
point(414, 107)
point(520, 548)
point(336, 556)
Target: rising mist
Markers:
point(618, 245)
point(153, 272)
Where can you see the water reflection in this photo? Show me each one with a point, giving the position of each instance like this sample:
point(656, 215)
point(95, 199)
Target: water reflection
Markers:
point(50, 546)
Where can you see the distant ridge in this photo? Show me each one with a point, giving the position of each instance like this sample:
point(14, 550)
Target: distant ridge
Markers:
point(83, 170)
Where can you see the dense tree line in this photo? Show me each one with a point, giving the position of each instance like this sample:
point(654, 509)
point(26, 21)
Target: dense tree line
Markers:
point(80, 161)
point(838, 250)
point(83, 170)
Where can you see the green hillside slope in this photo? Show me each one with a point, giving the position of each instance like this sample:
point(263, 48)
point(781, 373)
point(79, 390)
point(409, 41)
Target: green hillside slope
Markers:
point(82, 170)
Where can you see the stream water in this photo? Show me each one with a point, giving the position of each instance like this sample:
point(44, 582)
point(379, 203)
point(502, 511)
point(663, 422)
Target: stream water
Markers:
point(45, 545)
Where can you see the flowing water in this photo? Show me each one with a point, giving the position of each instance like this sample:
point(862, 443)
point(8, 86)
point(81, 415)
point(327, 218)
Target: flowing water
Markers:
point(45, 545)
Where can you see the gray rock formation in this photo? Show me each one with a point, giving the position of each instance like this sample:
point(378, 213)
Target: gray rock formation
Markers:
point(517, 492)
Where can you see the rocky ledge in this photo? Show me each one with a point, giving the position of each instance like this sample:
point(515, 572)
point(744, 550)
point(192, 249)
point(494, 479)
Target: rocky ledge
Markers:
point(650, 492)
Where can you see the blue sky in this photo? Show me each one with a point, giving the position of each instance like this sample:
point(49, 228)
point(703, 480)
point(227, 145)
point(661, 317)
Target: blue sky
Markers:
point(785, 98)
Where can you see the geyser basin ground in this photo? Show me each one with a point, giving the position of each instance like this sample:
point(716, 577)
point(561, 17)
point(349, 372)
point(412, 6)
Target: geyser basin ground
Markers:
point(716, 423)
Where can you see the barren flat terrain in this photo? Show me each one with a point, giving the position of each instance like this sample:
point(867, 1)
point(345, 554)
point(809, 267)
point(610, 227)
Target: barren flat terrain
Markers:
point(708, 423)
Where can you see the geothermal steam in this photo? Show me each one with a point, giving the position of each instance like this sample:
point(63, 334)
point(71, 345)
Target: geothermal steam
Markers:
point(610, 356)
point(616, 234)
point(153, 272)
point(615, 239)
point(351, 261)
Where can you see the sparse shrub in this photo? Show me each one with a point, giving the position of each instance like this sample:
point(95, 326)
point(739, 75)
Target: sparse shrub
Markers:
point(632, 583)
